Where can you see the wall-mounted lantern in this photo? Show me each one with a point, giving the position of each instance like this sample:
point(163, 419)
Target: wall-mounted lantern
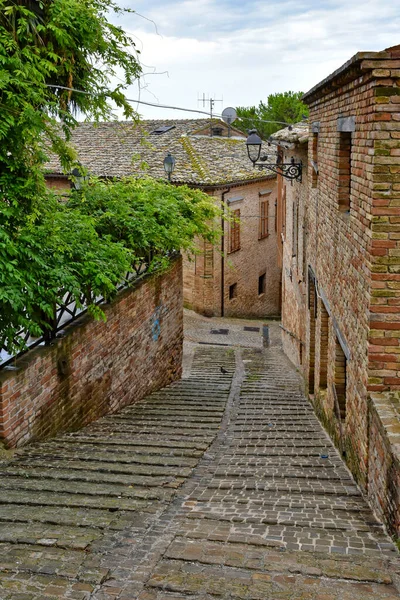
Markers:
point(291, 171)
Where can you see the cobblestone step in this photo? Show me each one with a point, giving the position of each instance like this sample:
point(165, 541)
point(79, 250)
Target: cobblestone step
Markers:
point(111, 458)
point(261, 513)
point(229, 582)
point(304, 536)
point(255, 557)
point(66, 505)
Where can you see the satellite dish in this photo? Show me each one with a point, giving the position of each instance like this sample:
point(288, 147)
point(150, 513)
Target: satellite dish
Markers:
point(229, 115)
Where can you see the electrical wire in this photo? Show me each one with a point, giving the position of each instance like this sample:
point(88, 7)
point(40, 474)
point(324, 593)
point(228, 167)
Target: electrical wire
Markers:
point(166, 106)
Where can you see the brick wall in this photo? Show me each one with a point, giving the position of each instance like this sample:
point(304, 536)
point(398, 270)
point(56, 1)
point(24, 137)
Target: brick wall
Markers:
point(244, 267)
point(384, 459)
point(294, 267)
point(96, 367)
point(339, 252)
point(384, 174)
point(351, 315)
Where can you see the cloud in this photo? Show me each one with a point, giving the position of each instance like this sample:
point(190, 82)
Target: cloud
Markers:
point(245, 51)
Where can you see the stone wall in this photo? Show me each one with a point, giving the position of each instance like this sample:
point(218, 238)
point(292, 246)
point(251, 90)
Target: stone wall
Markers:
point(211, 271)
point(96, 367)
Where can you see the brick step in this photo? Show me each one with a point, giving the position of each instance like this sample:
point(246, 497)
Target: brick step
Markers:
point(46, 535)
point(269, 560)
point(90, 445)
point(257, 474)
point(309, 537)
point(274, 433)
point(62, 562)
point(288, 504)
point(212, 422)
point(124, 426)
point(282, 461)
point(44, 499)
point(111, 458)
point(228, 582)
point(287, 501)
point(68, 472)
point(159, 437)
point(316, 520)
point(290, 485)
point(78, 486)
point(84, 517)
point(137, 443)
point(179, 410)
point(278, 450)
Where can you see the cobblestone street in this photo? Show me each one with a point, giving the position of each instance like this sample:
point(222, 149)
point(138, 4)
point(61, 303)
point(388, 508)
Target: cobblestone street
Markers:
point(222, 486)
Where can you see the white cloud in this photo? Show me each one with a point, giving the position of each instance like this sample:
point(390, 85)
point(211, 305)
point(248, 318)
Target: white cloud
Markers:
point(245, 51)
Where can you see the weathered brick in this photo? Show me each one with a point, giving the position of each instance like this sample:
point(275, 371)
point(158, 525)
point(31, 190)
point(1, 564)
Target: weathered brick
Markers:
point(110, 364)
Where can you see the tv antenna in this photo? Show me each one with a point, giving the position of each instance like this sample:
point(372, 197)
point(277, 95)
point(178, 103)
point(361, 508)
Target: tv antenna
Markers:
point(209, 101)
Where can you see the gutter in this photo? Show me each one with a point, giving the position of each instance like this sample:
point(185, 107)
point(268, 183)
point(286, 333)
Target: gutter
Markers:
point(226, 191)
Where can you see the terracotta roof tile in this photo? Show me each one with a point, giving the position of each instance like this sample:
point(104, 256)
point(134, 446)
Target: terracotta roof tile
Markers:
point(118, 149)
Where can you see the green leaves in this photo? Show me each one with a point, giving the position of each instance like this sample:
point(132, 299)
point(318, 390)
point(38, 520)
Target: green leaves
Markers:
point(281, 108)
point(148, 216)
point(85, 247)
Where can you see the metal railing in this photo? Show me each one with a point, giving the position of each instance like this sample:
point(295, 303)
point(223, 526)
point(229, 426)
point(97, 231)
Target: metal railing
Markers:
point(68, 310)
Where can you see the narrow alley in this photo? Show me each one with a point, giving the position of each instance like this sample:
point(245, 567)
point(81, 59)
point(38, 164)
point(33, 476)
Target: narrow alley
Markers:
point(223, 485)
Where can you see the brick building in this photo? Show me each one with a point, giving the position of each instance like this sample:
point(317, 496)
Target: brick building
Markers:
point(241, 278)
point(341, 266)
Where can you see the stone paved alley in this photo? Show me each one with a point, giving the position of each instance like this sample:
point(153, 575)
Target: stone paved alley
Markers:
point(223, 485)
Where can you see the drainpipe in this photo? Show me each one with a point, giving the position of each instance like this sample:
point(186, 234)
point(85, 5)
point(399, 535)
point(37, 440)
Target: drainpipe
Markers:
point(223, 250)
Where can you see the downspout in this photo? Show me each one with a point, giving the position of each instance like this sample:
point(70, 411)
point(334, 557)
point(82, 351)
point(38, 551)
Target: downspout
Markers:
point(223, 250)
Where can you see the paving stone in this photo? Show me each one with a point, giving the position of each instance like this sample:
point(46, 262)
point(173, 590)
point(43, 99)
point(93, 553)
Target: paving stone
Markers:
point(214, 487)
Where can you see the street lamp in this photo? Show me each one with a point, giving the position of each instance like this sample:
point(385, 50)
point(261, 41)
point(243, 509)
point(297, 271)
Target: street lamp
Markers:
point(291, 171)
point(169, 165)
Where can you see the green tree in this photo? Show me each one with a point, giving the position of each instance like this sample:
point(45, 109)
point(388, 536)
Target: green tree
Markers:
point(281, 109)
point(84, 247)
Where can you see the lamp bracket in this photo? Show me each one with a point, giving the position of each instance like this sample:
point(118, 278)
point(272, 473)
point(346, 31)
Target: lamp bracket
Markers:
point(291, 171)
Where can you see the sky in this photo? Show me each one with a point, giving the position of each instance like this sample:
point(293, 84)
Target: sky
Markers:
point(240, 51)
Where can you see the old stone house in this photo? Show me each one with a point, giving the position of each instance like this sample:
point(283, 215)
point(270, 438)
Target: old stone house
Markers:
point(241, 278)
point(340, 254)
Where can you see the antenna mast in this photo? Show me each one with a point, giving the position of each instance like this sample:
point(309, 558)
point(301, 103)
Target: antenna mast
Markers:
point(211, 101)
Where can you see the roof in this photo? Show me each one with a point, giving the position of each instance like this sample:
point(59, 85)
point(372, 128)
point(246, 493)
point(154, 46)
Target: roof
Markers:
point(296, 134)
point(119, 149)
point(351, 70)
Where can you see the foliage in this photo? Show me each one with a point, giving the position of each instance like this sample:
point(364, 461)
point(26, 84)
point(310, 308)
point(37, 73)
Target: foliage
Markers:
point(85, 246)
point(281, 109)
point(148, 216)
point(59, 43)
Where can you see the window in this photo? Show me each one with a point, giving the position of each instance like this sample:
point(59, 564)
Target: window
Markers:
point(263, 231)
point(294, 229)
point(162, 129)
point(233, 291)
point(312, 306)
point(323, 351)
point(208, 259)
point(234, 234)
point(284, 212)
point(340, 381)
point(345, 126)
point(344, 165)
point(314, 160)
point(262, 281)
